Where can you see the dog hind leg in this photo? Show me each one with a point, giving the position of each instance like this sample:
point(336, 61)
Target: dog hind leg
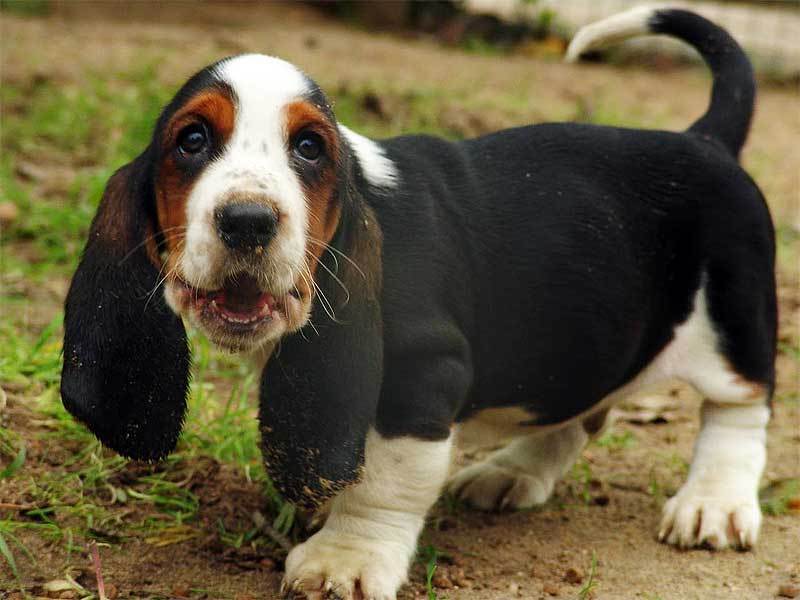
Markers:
point(718, 504)
point(524, 472)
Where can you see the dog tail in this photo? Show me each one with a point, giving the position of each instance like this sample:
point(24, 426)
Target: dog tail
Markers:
point(730, 111)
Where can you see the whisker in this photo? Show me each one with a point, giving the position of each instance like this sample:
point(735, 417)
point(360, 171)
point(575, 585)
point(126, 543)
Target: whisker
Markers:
point(147, 239)
point(311, 287)
point(314, 327)
point(326, 248)
point(324, 302)
point(171, 272)
point(152, 294)
point(331, 249)
point(332, 274)
point(326, 305)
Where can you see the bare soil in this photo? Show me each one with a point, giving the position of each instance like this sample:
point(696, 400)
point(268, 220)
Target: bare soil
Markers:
point(614, 512)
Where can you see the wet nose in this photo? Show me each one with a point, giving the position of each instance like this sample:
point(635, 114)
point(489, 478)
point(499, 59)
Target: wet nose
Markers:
point(245, 226)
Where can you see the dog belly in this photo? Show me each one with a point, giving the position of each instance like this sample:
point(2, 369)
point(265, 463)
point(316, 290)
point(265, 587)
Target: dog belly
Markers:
point(493, 427)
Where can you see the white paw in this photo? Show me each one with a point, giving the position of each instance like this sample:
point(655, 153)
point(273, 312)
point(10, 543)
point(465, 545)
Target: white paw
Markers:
point(489, 486)
point(694, 518)
point(344, 567)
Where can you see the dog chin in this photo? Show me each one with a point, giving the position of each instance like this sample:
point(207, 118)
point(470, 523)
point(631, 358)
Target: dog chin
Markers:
point(238, 341)
point(236, 325)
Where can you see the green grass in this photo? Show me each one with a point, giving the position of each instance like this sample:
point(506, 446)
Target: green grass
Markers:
point(776, 498)
point(398, 111)
point(615, 441)
point(28, 8)
point(60, 145)
point(81, 499)
point(787, 242)
point(590, 585)
point(581, 476)
point(668, 471)
point(429, 557)
point(86, 497)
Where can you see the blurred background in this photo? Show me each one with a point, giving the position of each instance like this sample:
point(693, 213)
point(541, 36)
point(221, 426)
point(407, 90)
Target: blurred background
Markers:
point(81, 84)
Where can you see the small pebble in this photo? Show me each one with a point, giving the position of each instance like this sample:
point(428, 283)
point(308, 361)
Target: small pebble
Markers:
point(551, 589)
point(459, 578)
point(8, 213)
point(181, 591)
point(573, 576)
point(441, 580)
point(789, 591)
point(513, 588)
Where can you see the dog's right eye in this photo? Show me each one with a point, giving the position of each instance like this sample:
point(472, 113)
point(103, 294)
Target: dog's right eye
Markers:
point(192, 139)
point(309, 146)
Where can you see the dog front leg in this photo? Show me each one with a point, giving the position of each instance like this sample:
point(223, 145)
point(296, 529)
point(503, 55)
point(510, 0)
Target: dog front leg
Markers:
point(365, 548)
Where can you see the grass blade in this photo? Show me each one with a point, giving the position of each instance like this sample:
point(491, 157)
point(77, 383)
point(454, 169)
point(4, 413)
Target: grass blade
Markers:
point(15, 464)
point(6, 552)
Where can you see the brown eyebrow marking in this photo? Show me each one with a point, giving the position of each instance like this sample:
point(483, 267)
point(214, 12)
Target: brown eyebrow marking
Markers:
point(215, 107)
point(302, 114)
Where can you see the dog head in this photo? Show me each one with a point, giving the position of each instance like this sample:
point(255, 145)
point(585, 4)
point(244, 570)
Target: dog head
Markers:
point(222, 220)
point(246, 198)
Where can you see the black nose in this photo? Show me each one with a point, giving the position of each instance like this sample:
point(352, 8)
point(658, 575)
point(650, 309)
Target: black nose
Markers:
point(244, 226)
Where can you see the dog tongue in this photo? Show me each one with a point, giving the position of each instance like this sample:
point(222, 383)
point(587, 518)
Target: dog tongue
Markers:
point(241, 294)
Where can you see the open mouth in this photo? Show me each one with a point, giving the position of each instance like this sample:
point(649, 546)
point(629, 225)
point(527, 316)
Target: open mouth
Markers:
point(240, 305)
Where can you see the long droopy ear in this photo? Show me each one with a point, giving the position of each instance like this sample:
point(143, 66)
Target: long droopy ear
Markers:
point(320, 388)
point(126, 357)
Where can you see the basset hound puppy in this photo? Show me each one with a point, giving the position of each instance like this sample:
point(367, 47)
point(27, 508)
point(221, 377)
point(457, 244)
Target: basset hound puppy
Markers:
point(412, 286)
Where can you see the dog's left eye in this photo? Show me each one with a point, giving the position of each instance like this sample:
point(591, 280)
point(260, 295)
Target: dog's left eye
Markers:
point(309, 146)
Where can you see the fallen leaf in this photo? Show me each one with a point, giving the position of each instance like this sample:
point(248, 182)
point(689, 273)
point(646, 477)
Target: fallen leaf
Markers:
point(58, 585)
point(654, 408)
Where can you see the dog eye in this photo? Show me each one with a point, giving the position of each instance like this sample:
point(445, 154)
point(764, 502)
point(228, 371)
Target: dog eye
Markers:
point(192, 139)
point(309, 146)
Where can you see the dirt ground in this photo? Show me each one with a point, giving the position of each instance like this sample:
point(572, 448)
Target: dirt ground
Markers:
point(609, 508)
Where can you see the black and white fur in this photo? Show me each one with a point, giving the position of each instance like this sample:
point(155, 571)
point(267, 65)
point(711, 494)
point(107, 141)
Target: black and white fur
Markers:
point(542, 272)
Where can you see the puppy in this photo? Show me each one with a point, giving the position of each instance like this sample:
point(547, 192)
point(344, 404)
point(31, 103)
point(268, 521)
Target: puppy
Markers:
point(535, 275)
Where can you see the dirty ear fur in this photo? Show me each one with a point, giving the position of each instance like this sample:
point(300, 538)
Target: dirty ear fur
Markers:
point(126, 356)
point(320, 388)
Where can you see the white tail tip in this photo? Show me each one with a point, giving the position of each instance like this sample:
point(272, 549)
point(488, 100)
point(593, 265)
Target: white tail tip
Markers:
point(614, 29)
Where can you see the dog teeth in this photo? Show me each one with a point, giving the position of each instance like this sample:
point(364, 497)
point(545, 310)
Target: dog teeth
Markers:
point(271, 309)
point(266, 311)
point(244, 321)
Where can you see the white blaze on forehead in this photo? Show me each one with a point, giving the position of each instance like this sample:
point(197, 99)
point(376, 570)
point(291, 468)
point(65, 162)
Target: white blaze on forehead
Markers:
point(254, 160)
point(263, 85)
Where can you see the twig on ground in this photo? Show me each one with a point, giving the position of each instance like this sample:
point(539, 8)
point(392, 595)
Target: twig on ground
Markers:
point(280, 539)
point(17, 507)
point(98, 570)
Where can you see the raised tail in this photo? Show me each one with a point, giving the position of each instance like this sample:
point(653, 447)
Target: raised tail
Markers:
point(730, 111)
